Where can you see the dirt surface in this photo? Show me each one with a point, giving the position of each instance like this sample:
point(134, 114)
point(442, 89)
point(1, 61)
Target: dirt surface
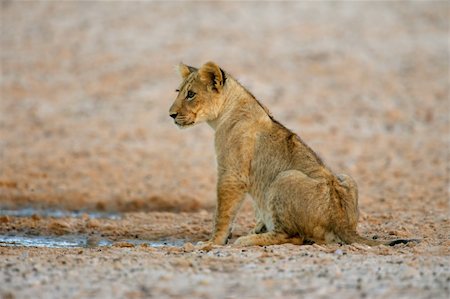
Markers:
point(85, 93)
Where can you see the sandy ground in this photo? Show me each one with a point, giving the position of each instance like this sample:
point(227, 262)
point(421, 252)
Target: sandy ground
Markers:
point(85, 92)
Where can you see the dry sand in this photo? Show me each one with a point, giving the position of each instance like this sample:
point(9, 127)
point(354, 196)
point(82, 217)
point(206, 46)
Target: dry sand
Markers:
point(85, 92)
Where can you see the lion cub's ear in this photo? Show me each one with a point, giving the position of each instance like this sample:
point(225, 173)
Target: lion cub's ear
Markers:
point(212, 76)
point(185, 70)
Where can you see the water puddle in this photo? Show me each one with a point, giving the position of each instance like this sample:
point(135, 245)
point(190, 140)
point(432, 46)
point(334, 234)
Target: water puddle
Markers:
point(75, 241)
point(28, 212)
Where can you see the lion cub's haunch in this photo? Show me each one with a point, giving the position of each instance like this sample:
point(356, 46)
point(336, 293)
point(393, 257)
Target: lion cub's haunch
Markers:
point(296, 196)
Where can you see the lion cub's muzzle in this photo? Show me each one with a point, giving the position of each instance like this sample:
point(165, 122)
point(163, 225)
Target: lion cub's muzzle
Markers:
point(180, 120)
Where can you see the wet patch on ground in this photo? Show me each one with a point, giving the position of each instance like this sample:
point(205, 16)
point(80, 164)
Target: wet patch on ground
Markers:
point(56, 213)
point(133, 228)
point(74, 241)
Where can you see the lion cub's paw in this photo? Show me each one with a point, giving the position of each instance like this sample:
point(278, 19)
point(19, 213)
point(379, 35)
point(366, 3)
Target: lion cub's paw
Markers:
point(243, 241)
point(205, 245)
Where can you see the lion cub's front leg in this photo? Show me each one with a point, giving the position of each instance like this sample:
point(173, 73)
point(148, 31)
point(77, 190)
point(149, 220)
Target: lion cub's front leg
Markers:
point(230, 194)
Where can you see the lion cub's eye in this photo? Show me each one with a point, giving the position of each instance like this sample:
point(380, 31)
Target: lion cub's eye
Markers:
point(190, 95)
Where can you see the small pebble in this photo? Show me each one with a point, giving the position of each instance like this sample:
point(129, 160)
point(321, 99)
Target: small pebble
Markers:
point(92, 241)
point(4, 219)
point(123, 244)
point(188, 247)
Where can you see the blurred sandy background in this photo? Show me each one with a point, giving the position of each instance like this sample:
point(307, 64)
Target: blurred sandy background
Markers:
point(84, 125)
point(86, 87)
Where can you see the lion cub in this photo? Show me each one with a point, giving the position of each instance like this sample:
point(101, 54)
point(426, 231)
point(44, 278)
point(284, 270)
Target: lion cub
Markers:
point(296, 196)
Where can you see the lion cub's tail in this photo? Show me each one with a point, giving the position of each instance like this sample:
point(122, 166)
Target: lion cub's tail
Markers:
point(350, 237)
point(347, 193)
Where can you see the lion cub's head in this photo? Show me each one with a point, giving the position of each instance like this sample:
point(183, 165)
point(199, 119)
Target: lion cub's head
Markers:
point(199, 95)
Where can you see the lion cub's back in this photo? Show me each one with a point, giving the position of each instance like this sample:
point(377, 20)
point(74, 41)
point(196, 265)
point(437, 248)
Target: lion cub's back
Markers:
point(278, 149)
point(272, 155)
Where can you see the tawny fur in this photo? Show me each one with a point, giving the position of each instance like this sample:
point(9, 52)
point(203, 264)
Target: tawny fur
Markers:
point(296, 196)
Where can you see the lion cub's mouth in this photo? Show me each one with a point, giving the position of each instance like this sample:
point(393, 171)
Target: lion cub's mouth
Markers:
point(182, 124)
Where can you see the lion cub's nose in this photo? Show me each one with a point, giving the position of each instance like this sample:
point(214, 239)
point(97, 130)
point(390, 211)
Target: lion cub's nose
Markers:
point(173, 115)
